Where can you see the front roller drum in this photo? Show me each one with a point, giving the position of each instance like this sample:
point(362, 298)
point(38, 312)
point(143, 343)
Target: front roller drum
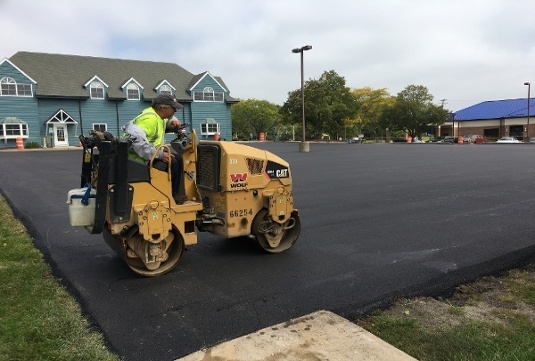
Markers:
point(274, 237)
point(146, 258)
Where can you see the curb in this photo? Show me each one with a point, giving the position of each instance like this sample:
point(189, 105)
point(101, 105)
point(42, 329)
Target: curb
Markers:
point(321, 335)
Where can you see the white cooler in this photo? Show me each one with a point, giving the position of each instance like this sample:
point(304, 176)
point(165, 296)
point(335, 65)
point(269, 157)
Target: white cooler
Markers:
point(79, 213)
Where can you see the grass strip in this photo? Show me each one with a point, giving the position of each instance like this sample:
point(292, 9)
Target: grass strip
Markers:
point(492, 319)
point(39, 319)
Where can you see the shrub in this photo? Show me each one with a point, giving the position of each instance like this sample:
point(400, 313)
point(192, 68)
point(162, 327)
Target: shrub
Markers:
point(32, 145)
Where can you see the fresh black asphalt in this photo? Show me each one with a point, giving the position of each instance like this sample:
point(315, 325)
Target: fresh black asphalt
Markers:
point(378, 221)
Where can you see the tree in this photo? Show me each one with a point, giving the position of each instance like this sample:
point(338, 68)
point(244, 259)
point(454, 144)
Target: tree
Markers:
point(254, 116)
point(413, 111)
point(328, 104)
point(371, 104)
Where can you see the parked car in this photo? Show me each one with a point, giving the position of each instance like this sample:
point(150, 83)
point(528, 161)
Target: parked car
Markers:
point(446, 140)
point(474, 138)
point(469, 138)
point(507, 140)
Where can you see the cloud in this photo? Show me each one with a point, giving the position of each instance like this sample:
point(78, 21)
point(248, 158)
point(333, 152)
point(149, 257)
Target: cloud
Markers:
point(464, 52)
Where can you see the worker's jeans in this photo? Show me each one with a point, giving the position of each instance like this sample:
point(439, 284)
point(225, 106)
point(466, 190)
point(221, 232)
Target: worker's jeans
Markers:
point(177, 171)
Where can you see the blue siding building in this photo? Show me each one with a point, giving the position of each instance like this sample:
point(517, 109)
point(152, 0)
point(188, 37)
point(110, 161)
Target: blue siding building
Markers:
point(50, 99)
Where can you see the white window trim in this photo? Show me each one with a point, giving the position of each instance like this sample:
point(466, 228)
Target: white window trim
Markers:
point(133, 86)
point(99, 125)
point(210, 121)
point(11, 81)
point(198, 96)
point(164, 84)
point(97, 85)
point(165, 89)
point(23, 128)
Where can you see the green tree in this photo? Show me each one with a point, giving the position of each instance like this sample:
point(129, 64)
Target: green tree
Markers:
point(328, 105)
point(413, 111)
point(371, 104)
point(254, 116)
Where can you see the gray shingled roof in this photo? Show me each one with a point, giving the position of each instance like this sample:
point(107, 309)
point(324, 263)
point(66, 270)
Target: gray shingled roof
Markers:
point(60, 75)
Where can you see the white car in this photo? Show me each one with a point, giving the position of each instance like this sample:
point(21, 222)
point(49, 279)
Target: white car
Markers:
point(508, 140)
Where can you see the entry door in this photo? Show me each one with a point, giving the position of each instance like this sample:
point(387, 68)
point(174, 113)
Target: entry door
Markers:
point(61, 137)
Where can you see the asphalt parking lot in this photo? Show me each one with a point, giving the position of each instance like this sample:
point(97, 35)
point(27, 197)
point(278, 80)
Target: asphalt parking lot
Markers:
point(378, 221)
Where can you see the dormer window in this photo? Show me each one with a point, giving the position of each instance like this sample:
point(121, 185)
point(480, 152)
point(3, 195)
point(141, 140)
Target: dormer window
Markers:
point(132, 92)
point(97, 90)
point(166, 89)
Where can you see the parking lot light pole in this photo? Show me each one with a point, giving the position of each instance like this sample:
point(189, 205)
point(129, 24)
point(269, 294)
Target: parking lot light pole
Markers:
point(529, 96)
point(304, 146)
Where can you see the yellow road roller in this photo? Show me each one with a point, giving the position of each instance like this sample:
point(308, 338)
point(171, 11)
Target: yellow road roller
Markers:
point(230, 190)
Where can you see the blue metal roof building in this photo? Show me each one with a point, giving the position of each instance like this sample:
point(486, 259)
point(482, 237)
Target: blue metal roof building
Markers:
point(493, 119)
point(496, 109)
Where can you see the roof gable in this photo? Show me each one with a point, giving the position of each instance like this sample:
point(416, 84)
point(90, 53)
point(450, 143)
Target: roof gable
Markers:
point(201, 77)
point(496, 109)
point(130, 81)
point(95, 78)
point(6, 60)
point(164, 82)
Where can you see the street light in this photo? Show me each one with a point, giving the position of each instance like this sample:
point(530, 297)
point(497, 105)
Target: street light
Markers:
point(303, 146)
point(529, 96)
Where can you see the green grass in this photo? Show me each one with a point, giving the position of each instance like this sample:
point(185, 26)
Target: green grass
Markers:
point(39, 320)
point(482, 341)
point(492, 320)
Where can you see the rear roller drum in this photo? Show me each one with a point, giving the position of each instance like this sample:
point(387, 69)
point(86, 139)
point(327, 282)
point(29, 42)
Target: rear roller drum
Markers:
point(274, 237)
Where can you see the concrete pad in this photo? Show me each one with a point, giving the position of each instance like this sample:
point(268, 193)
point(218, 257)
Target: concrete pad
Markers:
point(318, 336)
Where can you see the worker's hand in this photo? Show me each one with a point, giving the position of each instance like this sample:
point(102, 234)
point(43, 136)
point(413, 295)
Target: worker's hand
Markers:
point(165, 157)
point(174, 124)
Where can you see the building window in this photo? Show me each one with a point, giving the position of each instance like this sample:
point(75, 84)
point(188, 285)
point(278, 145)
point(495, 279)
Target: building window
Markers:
point(132, 92)
point(166, 89)
point(12, 127)
point(16, 129)
point(24, 90)
point(8, 86)
point(209, 127)
point(100, 127)
point(208, 95)
point(97, 90)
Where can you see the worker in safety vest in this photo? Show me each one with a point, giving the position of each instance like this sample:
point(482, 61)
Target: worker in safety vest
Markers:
point(146, 133)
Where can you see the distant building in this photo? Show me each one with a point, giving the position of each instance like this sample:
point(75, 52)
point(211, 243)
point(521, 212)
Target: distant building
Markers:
point(493, 120)
point(50, 99)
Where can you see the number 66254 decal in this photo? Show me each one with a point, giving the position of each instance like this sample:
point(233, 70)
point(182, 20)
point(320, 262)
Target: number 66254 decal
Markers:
point(241, 213)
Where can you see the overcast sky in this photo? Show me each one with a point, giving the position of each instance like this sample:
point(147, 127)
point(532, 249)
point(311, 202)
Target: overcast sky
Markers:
point(462, 51)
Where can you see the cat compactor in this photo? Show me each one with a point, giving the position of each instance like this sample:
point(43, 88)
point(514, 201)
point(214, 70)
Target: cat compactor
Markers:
point(231, 190)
